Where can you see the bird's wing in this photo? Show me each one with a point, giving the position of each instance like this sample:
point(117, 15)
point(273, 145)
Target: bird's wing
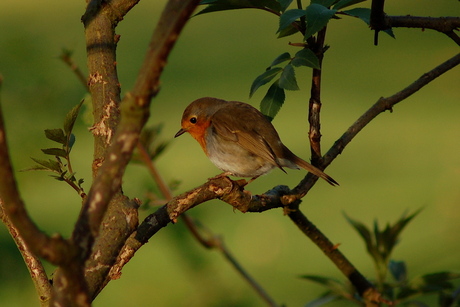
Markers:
point(244, 132)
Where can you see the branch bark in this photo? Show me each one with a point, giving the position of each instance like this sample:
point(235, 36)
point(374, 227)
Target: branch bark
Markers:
point(380, 21)
point(134, 110)
point(36, 270)
point(314, 108)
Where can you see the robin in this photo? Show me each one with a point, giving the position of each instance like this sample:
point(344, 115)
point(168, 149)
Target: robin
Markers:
point(239, 139)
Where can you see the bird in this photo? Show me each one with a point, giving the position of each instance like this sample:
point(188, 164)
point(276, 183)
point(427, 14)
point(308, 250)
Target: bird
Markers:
point(239, 139)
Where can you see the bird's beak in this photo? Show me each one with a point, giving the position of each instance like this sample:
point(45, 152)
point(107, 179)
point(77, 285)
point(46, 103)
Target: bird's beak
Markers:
point(180, 132)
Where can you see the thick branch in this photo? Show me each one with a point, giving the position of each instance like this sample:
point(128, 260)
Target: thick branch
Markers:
point(134, 115)
point(135, 112)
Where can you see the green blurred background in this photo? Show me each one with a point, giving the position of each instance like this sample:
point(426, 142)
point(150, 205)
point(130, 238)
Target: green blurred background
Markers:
point(402, 161)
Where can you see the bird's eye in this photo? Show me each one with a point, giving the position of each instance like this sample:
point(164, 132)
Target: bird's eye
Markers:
point(193, 120)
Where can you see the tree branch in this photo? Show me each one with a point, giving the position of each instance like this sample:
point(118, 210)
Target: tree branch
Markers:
point(135, 112)
point(54, 249)
point(384, 104)
point(314, 108)
point(365, 289)
point(36, 270)
point(380, 21)
point(134, 109)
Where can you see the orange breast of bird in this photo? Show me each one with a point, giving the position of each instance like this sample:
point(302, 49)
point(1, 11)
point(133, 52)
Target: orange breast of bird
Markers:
point(199, 131)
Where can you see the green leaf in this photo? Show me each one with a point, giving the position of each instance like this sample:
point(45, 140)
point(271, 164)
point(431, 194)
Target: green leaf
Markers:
point(365, 15)
point(273, 100)
point(71, 117)
point(224, 5)
point(362, 13)
point(344, 3)
point(306, 57)
point(398, 270)
point(287, 79)
point(390, 235)
point(389, 32)
point(328, 282)
point(264, 78)
point(71, 141)
point(364, 232)
point(49, 164)
point(35, 168)
point(325, 3)
point(281, 58)
point(284, 4)
point(317, 18)
point(58, 178)
point(428, 283)
point(288, 31)
point(335, 286)
point(323, 300)
point(55, 152)
point(289, 17)
point(56, 135)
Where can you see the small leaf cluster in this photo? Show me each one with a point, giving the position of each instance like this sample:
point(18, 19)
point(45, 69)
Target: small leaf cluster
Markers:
point(308, 22)
point(399, 289)
point(60, 164)
point(274, 99)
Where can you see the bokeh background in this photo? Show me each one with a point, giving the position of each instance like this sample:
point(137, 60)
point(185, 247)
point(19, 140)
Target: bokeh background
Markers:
point(405, 160)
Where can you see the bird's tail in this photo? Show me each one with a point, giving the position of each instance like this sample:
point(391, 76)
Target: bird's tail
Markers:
point(307, 166)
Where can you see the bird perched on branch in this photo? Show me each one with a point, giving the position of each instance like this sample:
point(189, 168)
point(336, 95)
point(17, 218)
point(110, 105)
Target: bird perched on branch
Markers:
point(239, 139)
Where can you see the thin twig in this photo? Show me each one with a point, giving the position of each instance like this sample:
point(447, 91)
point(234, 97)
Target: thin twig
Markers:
point(36, 270)
point(262, 293)
point(54, 249)
point(379, 21)
point(66, 57)
point(314, 107)
point(145, 157)
point(445, 25)
point(384, 104)
point(362, 285)
point(453, 36)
